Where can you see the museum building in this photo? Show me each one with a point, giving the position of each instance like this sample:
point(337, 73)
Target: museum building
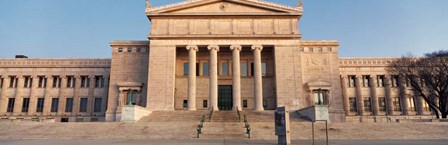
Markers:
point(209, 55)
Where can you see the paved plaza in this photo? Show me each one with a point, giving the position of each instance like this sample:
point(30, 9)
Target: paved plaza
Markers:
point(218, 142)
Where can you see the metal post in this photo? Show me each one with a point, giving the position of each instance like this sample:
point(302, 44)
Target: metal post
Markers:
point(312, 130)
point(326, 129)
point(130, 98)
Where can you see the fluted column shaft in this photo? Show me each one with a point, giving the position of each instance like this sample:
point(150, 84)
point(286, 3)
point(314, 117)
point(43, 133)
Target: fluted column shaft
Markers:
point(389, 100)
point(374, 97)
point(258, 90)
point(236, 49)
point(345, 95)
point(213, 76)
point(192, 77)
point(359, 98)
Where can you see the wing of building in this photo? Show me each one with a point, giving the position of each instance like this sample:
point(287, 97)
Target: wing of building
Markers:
point(209, 54)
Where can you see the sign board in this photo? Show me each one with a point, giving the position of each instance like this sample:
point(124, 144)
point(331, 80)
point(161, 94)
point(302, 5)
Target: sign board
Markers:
point(282, 125)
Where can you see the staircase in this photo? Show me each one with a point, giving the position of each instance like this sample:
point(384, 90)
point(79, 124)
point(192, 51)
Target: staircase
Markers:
point(174, 116)
point(224, 125)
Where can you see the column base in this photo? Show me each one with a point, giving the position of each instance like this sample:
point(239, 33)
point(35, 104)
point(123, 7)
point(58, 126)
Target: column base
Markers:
point(191, 109)
point(259, 109)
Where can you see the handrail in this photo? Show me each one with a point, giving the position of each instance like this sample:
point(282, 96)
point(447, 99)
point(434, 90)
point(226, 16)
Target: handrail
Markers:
point(247, 126)
point(238, 113)
point(210, 114)
point(200, 126)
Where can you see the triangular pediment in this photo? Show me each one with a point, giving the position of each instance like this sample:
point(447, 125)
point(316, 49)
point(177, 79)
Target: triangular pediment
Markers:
point(224, 7)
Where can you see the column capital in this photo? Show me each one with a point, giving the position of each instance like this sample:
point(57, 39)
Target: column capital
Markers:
point(213, 47)
point(236, 47)
point(192, 47)
point(257, 47)
point(344, 76)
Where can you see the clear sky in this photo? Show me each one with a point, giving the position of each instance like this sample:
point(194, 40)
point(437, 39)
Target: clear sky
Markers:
point(84, 28)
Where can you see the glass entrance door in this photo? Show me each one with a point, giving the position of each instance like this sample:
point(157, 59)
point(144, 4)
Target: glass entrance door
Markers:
point(225, 100)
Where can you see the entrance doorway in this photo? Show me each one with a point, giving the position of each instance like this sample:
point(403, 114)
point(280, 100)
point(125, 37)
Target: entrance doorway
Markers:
point(225, 98)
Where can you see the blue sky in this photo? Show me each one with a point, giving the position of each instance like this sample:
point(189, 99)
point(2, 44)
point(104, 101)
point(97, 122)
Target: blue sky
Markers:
point(84, 28)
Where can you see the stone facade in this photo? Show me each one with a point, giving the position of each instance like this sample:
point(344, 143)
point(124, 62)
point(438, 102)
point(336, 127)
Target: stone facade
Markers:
point(210, 54)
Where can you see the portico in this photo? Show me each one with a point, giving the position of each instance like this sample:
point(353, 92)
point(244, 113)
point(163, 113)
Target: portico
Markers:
point(236, 76)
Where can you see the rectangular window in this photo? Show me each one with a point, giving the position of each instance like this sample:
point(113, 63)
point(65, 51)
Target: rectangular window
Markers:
point(204, 104)
point(139, 49)
point(224, 68)
point(244, 103)
point(352, 103)
point(351, 81)
point(129, 49)
point(365, 81)
point(12, 79)
point(42, 82)
point(83, 105)
point(40, 105)
point(185, 105)
point(71, 81)
point(380, 81)
point(54, 104)
point(1, 82)
point(99, 82)
point(56, 82)
point(395, 80)
point(85, 82)
point(11, 102)
point(244, 69)
point(396, 103)
point(251, 69)
point(263, 69)
point(185, 69)
point(27, 82)
point(205, 69)
point(320, 97)
point(197, 69)
point(382, 103)
point(25, 104)
point(120, 49)
point(69, 105)
point(98, 103)
point(265, 103)
point(367, 104)
point(411, 103)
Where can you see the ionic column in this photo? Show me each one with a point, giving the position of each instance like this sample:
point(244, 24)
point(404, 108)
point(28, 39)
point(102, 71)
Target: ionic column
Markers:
point(389, 100)
point(258, 78)
point(192, 49)
point(19, 98)
point(373, 94)
point(213, 76)
point(345, 95)
point(4, 94)
point(359, 98)
point(404, 99)
point(236, 76)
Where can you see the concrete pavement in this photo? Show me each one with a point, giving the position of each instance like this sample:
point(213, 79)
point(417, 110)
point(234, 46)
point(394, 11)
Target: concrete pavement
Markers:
point(218, 142)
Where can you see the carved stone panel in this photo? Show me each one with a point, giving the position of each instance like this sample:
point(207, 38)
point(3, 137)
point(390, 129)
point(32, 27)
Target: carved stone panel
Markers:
point(200, 26)
point(222, 26)
point(284, 26)
point(264, 26)
point(179, 26)
point(159, 26)
point(243, 26)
